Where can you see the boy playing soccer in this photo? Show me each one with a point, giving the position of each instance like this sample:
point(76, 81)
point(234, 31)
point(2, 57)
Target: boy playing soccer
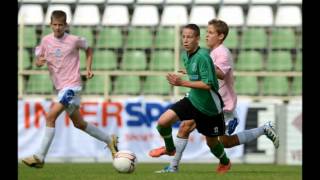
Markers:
point(60, 51)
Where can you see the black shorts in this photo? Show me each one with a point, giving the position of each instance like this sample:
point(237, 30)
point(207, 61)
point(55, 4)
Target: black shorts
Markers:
point(210, 126)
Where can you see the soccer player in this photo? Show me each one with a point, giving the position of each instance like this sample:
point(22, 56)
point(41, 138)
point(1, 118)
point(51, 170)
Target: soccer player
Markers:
point(217, 32)
point(60, 51)
point(203, 103)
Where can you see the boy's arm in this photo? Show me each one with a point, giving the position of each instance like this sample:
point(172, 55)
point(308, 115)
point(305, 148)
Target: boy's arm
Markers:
point(220, 74)
point(176, 80)
point(89, 54)
point(40, 58)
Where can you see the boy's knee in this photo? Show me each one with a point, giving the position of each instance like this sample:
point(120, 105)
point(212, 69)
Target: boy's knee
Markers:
point(185, 129)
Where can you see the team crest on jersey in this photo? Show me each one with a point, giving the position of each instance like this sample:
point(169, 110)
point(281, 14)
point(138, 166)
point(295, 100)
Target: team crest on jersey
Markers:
point(57, 52)
point(194, 67)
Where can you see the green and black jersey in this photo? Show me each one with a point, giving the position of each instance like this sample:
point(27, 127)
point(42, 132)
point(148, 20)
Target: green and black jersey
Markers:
point(199, 67)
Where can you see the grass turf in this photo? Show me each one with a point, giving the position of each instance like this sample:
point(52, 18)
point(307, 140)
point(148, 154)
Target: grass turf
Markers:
point(144, 171)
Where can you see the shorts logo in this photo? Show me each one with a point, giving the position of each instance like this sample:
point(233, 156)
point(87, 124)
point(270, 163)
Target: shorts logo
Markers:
point(215, 130)
point(67, 97)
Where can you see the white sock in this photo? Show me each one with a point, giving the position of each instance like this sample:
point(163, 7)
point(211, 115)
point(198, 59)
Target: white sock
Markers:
point(250, 135)
point(180, 146)
point(97, 133)
point(46, 142)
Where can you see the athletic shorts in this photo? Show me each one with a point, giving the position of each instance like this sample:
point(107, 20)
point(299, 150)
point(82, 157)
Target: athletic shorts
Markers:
point(70, 98)
point(210, 126)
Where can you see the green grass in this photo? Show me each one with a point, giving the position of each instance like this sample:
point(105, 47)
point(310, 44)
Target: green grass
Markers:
point(144, 171)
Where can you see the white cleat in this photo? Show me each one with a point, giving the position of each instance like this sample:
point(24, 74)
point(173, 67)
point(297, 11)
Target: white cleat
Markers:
point(271, 133)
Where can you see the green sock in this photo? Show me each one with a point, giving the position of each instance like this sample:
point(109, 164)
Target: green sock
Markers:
point(218, 151)
point(166, 133)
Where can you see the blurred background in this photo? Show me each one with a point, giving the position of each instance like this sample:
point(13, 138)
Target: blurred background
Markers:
point(136, 43)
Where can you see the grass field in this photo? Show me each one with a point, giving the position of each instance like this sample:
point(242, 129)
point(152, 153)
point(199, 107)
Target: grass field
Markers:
point(144, 171)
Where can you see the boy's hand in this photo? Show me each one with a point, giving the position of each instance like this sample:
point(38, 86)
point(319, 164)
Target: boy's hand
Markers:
point(41, 61)
point(174, 79)
point(89, 74)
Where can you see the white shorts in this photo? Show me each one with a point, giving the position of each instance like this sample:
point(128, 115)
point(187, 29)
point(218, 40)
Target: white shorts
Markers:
point(70, 98)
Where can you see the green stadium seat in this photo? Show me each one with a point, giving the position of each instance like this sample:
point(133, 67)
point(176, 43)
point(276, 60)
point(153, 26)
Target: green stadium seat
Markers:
point(39, 84)
point(249, 61)
point(29, 37)
point(139, 38)
point(162, 61)
point(283, 38)
point(254, 38)
point(104, 60)
point(128, 85)
point(277, 86)
point(165, 38)
point(97, 84)
point(298, 64)
point(26, 60)
point(46, 30)
point(85, 32)
point(246, 85)
point(156, 85)
point(110, 37)
point(296, 88)
point(83, 60)
point(134, 60)
point(279, 61)
point(232, 39)
point(203, 33)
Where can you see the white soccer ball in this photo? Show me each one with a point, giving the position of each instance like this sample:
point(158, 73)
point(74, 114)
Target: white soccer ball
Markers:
point(125, 161)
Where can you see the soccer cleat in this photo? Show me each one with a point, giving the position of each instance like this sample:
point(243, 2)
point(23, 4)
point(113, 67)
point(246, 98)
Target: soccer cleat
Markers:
point(232, 125)
point(221, 169)
point(271, 134)
point(33, 161)
point(161, 151)
point(168, 169)
point(113, 146)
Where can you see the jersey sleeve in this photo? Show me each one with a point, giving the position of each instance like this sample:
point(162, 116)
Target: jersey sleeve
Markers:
point(206, 70)
point(221, 61)
point(82, 43)
point(40, 50)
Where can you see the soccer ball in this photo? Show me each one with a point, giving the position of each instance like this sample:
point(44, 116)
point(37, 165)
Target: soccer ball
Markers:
point(125, 161)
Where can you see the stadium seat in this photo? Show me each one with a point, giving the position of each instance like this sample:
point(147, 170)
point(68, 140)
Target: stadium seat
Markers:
point(232, 15)
point(149, 1)
point(283, 38)
point(139, 38)
point(46, 30)
point(110, 37)
point(203, 33)
point(30, 14)
point(165, 38)
point(249, 61)
point(29, 37)
point(104, 60)
point(296, 88)
point(145, 16)
point(253, 38)
point(279, 61)
point(26, 60)
point(178, 1)
point(33, 1)
point(201, 15)
point(277, 86)
point(232, 40)
point(235, 1)
point(206, 1)
point(85, 32)
point(121, 1)
point(128, 85)
point(247, 85)
point(271, 2)
point(260, 16)
point(92, 1)
point(64, 1)
point(290, 2)
point(39, 84)
point(156, 85)
point(134, 60)
point(97, 84)
point(115, 15)
point(298, 64)
point(162, 61)
point(86, 15)
point(83, 60)
point(174, 15)
point(288, 16)
point(64, 7)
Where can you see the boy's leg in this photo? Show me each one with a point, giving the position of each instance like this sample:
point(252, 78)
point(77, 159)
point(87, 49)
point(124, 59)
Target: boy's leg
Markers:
point(95, 132)
point(164, 127)
point(37, 160)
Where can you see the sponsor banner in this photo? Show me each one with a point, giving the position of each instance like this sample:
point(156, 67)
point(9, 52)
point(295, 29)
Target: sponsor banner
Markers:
point(133, 120)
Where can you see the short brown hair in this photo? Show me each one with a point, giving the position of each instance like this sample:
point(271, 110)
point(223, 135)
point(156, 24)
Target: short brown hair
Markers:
point(194, 27)
point(58, 14)
point(220, 26)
